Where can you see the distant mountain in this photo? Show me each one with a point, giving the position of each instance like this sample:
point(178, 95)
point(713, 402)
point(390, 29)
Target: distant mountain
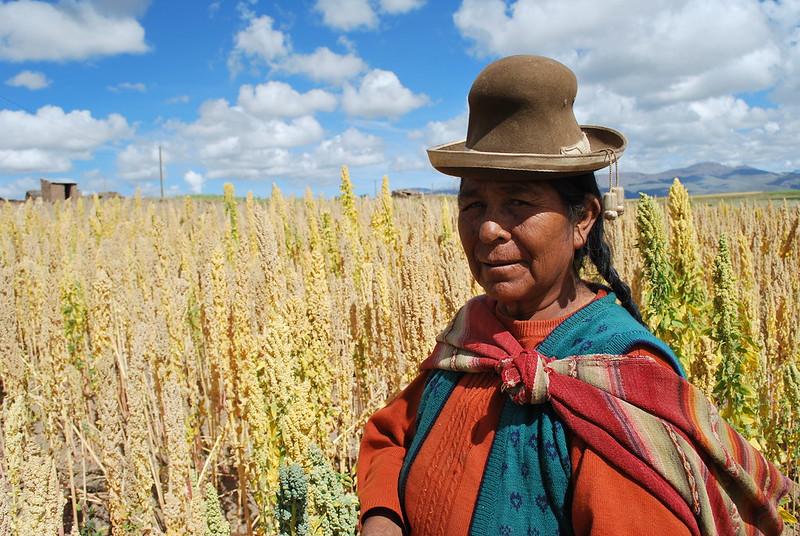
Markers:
point(710, 178)
point(700, 178)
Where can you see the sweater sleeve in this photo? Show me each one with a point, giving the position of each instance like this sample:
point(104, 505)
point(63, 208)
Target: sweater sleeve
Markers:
point(387, 435)
point(605, 501)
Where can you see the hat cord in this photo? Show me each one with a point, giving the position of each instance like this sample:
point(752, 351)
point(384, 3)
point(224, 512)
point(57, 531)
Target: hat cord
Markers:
point(613, 206)
point(611, 156)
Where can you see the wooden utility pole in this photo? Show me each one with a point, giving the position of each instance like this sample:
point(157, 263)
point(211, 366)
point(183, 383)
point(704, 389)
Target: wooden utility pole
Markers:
point(161, 171)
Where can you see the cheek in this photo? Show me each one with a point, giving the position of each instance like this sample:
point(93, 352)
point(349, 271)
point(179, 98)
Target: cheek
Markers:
point(549, 245)
point(467, 236)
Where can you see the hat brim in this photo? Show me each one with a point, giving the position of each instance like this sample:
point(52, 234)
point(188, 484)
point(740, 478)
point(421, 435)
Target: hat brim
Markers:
point(455, 159)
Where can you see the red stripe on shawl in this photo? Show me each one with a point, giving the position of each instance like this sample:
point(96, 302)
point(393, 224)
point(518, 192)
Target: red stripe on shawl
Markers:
point(724, 524)
point(756, 515)
point(597, 426)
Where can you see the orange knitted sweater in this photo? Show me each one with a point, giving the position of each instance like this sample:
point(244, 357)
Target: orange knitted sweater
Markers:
point(604, 501)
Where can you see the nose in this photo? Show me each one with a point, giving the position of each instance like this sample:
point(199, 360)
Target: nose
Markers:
point(491, 231)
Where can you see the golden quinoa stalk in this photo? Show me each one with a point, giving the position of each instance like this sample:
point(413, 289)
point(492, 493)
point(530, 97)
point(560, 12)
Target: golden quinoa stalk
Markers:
point(107, 392)
point(252, 418)
point(178, 515)
point(452, 276)
point(790, 238)
point(15, 432)
point(750, 304)
point(286, 234)
point(383, 217)
point(316, 359)
point(216, 314)
point(6, 521)
point(36, 498)
point(231, 210)
point(269, 255)
point(330, 237)
point(354, 249)
point(250, 211)
point(138, 450)
point(12, 367)
point(284, 392)
point(416, 306)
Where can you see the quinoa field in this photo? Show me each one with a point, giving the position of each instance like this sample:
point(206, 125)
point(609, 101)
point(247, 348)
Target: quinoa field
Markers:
point(194, 367)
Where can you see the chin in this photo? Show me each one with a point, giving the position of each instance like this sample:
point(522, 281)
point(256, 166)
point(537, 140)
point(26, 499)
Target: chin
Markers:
point(505, 292)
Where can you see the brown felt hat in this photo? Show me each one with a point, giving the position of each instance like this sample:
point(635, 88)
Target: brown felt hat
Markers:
point(521, 120)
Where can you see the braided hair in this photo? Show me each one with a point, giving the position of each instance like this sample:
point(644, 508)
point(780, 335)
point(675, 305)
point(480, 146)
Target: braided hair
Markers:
point(573, 192)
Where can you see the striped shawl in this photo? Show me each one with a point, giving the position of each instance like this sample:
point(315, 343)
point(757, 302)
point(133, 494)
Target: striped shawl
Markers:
point(647, 421)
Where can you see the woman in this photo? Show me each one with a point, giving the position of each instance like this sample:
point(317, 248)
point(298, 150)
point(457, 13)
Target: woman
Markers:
point(546, 407)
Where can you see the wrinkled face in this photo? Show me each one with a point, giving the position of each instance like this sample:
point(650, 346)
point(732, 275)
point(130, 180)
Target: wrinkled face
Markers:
point(518, 239)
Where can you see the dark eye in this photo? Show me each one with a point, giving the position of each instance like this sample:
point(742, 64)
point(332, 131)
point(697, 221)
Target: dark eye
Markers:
point(471, 205)
point(519, 203)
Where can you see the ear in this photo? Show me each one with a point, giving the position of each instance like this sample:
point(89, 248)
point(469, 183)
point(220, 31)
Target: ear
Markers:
point(585, 222)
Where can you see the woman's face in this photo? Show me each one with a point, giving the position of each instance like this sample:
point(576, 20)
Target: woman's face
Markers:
point(519, 241)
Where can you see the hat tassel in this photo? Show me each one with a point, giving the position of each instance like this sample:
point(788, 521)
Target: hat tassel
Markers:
point(614, 199)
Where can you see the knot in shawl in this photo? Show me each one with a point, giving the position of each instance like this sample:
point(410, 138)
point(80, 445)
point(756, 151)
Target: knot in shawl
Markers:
point(645, 420)
point(524, 377)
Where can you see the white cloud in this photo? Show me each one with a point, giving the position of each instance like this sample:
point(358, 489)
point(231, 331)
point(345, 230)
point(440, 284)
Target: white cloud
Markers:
point(32, 80)
point(229, 141)
point(350, 15)
point(261, 40)
point(195, 181)
point(723, 129)
point(673, 75)
point(380, 94)
point(408, 162)
point(439, 132)
point(347, 14)
point(663, 51)
point(324, 65)
point(223, 125)
point(50, 140)
point(352, 147)
point(139, 161)
point(232, 142)
point(38, 31)
point(279, 99)
point(400, 6)
point(128, 86)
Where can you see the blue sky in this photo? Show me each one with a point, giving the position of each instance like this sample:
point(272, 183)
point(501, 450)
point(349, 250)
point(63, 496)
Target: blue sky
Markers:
point(255, 91)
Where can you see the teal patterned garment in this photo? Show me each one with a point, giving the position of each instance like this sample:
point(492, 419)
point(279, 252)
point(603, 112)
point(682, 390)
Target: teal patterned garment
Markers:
point(525, 486)
point(526, 482)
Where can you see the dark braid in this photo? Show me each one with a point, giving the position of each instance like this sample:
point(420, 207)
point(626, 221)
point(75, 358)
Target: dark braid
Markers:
point(574, 191)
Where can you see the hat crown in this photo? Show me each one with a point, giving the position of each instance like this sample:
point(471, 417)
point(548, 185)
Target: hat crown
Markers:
point(523, 104)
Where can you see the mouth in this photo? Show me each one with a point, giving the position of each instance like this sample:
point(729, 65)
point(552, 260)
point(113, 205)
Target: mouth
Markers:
point(499, 264)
